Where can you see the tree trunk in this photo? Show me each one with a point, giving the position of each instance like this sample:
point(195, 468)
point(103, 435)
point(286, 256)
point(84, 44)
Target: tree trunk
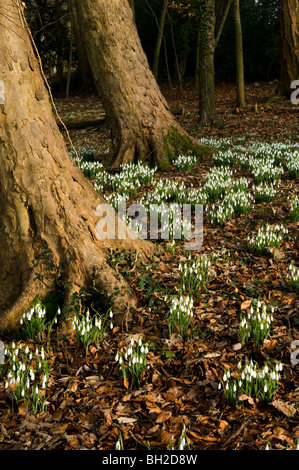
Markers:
point(207, 104)
point(289, 33)
point(138, 115)
point(239, 56)
point(197, 61)
point(47, 205)
point(208, 43)
point(84, 68)
point(159, 39)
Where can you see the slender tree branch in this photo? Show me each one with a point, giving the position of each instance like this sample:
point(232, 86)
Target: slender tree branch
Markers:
point(225, 14)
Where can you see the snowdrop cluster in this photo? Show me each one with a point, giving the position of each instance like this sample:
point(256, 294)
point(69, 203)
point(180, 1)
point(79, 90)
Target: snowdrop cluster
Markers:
point(93, 169)
point(132, 361)
point(264, 192)
point(26, 376)
point(174, 225)
point(180, 315)
point(196, 196)
point(90, 328)
point(185, 162)
point(224, 158)
point(267, 237)
point(240, 201)
point(83, 153)
point(194, 273)
point(244, 161)
point(292, 164)
point(294, 209)
point(34, 321)
point(138, 171)
point(251, 381)
point(220, 214)
point(36, 313)
point(164, 191)
point(265, 170)
point(256, 324)
point(240, 184)
point(293, 276)
point(116, 200)
point(217, 182)
point(121, 183)
point(219, 144)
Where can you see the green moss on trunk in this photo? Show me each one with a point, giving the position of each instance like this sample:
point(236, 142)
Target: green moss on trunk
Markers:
point(176, 144)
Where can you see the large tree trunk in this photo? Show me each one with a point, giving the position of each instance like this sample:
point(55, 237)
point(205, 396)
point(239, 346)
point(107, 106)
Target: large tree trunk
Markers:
point(46, 203)
point(138, 115)
point(289, 33)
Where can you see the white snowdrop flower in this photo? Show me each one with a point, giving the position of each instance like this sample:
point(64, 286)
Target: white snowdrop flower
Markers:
point(267, 447)
point(235, 388)
point(111, 314)
point(140, 342)
point(219, 386)
point(117, 446)
point(265, 388)
point(132, 341)
point(140, 360)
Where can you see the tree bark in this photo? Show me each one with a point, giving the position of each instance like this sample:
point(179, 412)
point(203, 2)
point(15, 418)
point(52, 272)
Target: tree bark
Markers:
point(47, 205)
point(138, 115)
point(239, 56)
point(132, 5)
point(207, 104)
point(289, 33)
point(206, 74)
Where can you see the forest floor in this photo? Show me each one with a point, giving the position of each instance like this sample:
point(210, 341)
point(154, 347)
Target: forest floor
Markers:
point(89, 404)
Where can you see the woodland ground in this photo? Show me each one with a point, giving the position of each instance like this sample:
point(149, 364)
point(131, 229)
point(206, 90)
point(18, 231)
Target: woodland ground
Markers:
point(88, 402)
